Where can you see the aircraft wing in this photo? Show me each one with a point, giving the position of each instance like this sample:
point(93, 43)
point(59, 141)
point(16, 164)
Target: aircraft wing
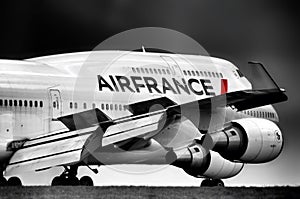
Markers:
point(67, 148)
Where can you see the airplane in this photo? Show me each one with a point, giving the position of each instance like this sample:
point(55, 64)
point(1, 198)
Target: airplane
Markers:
point(110, 107)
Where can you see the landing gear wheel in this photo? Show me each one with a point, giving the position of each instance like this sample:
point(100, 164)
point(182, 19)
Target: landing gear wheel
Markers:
point(65, 180)
point(14, 181)
point(72, 181)
point(206, 183)
point(3, 181)
point(212, 183)
point(86, 181)
point(217, 183)
point(56, 181)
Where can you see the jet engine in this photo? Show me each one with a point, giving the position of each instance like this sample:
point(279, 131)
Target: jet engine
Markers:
point(249, 140)
point(200, 162)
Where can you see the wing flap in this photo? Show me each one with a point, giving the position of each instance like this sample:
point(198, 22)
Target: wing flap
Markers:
point(44, 163)
point(40, 154)
point(131, 129)
point(85, 119)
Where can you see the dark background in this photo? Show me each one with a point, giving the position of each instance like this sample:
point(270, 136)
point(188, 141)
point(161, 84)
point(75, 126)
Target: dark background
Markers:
point(239, 31)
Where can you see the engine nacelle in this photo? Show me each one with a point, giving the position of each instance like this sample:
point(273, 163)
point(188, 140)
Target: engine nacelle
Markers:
point(200, 162)
point(250, 140)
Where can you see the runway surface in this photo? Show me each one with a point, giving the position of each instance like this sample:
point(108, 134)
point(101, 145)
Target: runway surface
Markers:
point(148, 192)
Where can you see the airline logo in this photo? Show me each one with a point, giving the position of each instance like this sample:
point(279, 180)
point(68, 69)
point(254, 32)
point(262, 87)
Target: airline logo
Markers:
point(134, 84)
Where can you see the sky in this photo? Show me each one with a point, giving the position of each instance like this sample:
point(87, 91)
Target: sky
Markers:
point(239, 31)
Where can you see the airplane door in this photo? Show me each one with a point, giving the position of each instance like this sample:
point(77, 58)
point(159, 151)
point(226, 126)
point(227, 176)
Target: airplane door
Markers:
point(174, 67)
point(55, 103)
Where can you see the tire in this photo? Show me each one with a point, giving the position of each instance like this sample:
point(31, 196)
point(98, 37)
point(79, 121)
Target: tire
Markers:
point(72, 181)
point(217, 183)
point(3, 181)
point(86, 181)
point(56, 181)
point(206, 183)
point(14, 181)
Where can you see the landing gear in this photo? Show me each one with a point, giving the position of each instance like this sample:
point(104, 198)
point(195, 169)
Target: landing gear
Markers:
point(65, 180)
point(212, 183)
point(86, 181)
point(13, 181)
point(68, 178)
point(218, 183)
point(3, 181)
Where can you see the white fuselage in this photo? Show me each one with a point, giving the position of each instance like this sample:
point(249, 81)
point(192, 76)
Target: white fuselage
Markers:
point(35, 92)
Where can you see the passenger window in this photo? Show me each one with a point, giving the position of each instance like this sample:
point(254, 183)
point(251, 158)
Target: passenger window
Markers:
point(35, 104)
point(10, 102)
point(155, 71)
point(221, 75)
point(107, 106)
point(75, 105)
point(205, 74)
point(116, 107)
point(25, 103)
point(54, 104)
point(189, 72)
point(71, 105)
point(1, 102)
point(217, 75)
point(15, 103)
point(201, 73)
point(184, 72)
point(84, 105)
point(193, 73)
point(41, 104)
point(213, 74)
point(93, 105)
point(159, 71)
point(111, 107)
point(120, 107)
point(209, 74)
point(20, 103)
point(150, 69)
point(137, 70)
point(168, 71)
point(163, 71)
point(146, 70)
point(102, 106)
point(142, 70)
point(133, 69)
point(197, 73)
